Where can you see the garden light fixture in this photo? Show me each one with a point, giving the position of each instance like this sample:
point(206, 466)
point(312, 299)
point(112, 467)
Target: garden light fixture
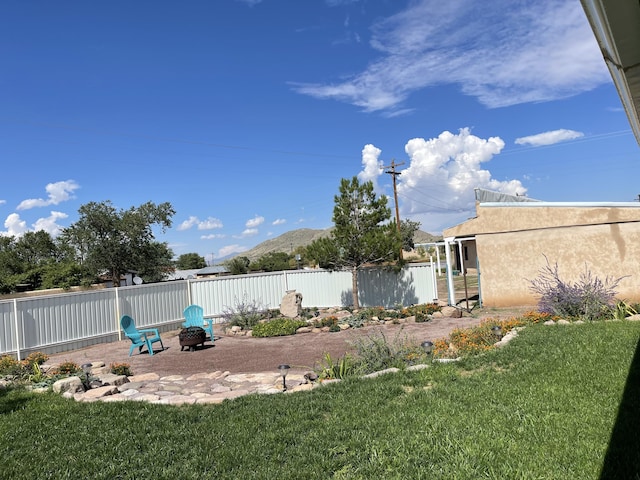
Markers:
point(427, 346)
point(497, 331)
point(284, 369)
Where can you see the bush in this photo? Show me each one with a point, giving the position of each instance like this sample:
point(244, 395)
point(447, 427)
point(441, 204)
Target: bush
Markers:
point(120, 369)
point(68, 368)
point(424, 308)
point(246, 313)
point(588, 299)
point(277, 327)
point(374, 352)
point(10, 367)
point(342, 368)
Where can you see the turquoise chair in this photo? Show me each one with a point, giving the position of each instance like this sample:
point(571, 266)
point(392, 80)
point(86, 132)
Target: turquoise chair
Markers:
point(140, 338)
point(194, 317)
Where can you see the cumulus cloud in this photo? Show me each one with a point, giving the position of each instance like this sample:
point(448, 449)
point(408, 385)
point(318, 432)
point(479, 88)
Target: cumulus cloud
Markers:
point(230, 250)
point(549, 138)
point(57, 192)
point(15, 226)
point(208, 224)
point(432, 43)
point(371, 165)
point(212, 236)
point(2, 202)
point(437, 189)
point(248, 232)
point(279, 221)
point(50, 224)
point(254, 222)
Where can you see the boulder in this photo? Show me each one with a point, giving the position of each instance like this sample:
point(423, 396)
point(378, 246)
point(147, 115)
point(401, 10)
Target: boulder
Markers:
point(291, 305)
point(69, 384)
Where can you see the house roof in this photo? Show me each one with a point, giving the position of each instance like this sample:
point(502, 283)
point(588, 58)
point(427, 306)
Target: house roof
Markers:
point(616, 26)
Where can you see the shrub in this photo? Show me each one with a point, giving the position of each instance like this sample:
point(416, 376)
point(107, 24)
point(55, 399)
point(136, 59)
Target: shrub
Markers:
point(329, 321)
point(342, 368)
point(246, 313)
point(424, 308)
point(10, 367)
point(421, 317)
point(36, 358)
point(68, 368)
point(374, 352)
point(278, 327)
point(589, 298)
point(121, 369)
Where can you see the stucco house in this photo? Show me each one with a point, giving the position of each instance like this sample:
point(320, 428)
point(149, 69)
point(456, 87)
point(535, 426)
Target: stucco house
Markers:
point(511, 239)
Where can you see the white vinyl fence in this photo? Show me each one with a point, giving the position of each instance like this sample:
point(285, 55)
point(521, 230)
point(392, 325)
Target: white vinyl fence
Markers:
point(68, 321)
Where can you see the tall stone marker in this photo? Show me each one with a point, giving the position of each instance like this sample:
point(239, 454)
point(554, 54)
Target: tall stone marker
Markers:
point(291, 305)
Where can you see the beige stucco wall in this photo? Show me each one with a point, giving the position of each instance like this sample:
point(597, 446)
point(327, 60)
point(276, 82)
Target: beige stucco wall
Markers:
point(512, 244)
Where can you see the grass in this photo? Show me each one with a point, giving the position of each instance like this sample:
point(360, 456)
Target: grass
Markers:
point(554, 404)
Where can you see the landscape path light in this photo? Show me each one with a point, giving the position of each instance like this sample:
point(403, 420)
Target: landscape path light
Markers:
point(497, 331)
point(284, 369)
point(427, 346)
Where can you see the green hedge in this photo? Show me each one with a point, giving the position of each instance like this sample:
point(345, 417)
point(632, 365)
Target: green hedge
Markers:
point(277, 327)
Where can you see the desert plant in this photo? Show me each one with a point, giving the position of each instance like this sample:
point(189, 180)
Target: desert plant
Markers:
point(246, 313)
point(121, 369)
point(10, 367)
point(375, 352)
point(590, 298)
point(68, 368)
point(623, 310)
point(277, 327)
point(424, 308)
point(338, 369)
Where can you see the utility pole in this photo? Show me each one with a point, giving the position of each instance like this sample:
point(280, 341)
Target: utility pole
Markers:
point(394, 174)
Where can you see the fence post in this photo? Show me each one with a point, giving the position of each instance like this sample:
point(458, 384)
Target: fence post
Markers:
point(118, 315)
point(15, 317)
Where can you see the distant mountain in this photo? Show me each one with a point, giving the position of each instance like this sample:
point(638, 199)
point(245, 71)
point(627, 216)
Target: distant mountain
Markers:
point(289, 241)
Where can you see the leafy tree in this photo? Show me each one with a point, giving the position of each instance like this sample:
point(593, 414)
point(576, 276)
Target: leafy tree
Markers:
point(189, 261)
point(362, 234)
point(272, 262)
point(116, 241)
point(238, 265)
point(408, 229)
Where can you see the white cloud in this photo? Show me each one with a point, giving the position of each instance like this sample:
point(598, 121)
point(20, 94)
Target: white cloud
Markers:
point(488, 49)
point(248, 232)
point(279, 221)
point(371, 165)
point(187, 224)
point(254, 222)
point(230, 250)
point(208, 224)
point(2, 202)
point(57, 192)
point(14, 226)
point(49, 224)
point(549, 138)
point(212, 236)
point(437, 189)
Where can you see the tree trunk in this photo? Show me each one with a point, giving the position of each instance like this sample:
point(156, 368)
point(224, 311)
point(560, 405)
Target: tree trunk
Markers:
point(354, 287)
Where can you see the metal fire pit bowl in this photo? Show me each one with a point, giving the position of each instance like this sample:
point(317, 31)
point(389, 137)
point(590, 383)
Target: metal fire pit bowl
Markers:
point(190, 337)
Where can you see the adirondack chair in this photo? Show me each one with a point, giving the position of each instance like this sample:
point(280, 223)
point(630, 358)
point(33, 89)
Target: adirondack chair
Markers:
point(140, 338)
point(194, 317)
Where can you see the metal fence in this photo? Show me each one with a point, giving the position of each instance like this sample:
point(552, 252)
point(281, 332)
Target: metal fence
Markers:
point(67, 321)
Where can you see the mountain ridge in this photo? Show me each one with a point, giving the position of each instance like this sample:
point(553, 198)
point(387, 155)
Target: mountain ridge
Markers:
point(301, 237)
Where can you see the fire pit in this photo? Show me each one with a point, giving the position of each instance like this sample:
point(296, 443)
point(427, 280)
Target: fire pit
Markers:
point(190, 337)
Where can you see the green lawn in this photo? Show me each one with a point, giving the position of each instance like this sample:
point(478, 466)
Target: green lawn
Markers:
point(553, 404)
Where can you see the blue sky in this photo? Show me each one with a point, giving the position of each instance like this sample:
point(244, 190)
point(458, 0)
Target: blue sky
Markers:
point(245, 115)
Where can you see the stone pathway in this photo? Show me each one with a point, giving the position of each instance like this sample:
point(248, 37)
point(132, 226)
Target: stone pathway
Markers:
point(212, 387)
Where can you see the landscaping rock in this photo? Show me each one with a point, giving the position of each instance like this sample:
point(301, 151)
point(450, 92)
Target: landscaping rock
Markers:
point(112, 379)
point(451, 312)
point(69, 384)
point(291, 305)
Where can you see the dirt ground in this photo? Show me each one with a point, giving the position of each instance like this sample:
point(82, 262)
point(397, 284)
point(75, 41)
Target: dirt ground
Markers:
point(303, 352)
